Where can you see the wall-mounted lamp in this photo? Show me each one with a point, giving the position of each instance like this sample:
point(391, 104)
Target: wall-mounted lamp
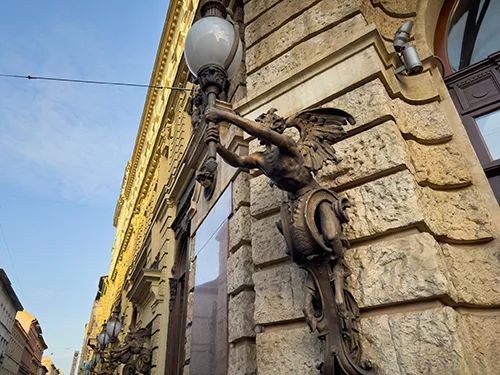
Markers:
point(406, 53)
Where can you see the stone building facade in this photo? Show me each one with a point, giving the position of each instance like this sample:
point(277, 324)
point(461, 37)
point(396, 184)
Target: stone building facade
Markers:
point(15, 350)
point(31, 360)
point(424, 221)
point(9, 306)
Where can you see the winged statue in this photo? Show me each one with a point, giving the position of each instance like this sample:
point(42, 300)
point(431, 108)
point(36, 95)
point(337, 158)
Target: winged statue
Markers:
point(311, 218)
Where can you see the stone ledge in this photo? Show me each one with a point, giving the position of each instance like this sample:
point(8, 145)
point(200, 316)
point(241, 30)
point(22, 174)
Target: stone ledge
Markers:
point(240, 225)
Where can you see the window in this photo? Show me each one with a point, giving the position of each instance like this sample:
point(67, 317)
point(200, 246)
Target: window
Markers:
point(209, 336)
point(467, 42)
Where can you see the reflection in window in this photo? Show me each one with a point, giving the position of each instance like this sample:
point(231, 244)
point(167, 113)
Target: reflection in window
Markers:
point(473, 32)
point(489, 125)
point(209, 335)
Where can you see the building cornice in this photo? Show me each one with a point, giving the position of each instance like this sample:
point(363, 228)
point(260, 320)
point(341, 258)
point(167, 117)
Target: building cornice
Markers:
point(9, 290)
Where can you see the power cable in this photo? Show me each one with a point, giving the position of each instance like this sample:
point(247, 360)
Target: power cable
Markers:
point(94, 82)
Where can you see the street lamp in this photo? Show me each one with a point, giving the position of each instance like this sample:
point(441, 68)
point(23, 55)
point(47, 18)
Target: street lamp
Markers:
point(103, 338)
point(213, 53)
point(114, 326)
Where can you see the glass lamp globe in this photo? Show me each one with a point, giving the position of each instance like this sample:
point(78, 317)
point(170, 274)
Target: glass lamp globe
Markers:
point(103, 338)
point(96, 357)
point(209, 42)
point(113, 328)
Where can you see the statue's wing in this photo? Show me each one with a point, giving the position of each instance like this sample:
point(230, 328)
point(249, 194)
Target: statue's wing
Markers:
point(319, 129)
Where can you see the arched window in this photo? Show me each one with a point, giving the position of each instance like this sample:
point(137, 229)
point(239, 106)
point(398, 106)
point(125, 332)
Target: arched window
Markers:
point(467, 41)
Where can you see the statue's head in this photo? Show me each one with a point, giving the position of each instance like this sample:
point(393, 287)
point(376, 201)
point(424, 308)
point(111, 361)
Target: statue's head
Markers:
point(272, 120)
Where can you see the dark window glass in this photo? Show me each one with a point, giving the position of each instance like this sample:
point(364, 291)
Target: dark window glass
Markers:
point(209, 337)
point(489, 126)
point(473, 32)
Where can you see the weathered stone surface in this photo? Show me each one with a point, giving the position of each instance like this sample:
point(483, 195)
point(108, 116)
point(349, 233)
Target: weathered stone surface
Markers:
point(424, 342)
point(191, 279)
point(426, 122)
point(324, 14)
point(241, 311)
point(456, 215)
point(383, 205)
point(274, 18)
point(290, 351)
point(371, 102)
point(366, 104)
point(243, 359)
point(254, 8)
point(308, 52)
point(187, 343)
point(403, 269)
point(264, 198)
point(386, 24)
point(268, 245)
point(279, 293)
point(474, 271)
point(479, 336)
point(255, 146)
point(240, 269)
point(398, 7)
point(240, 225)
point(190, 306)
point(438, 165)
point(241, 191)
point(366, 155)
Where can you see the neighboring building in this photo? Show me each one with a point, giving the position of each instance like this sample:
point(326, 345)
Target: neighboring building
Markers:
point(210, 278)
point(9, 306)
point(15, 350)
point(50, 367)
point(92, 328)
point(31, 361)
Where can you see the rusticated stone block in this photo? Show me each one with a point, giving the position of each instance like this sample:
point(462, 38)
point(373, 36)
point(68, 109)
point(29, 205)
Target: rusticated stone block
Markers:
point(279, 293)
point(240, 269)
point(383, 205)
point(371, 102)
point(241, 311)
point(192, 273)
point(456, 215)
point(424, 342)
point(264, 198)
point(254, 8)
point(274, 18)
point(268, 245)
point(288, 352)
point(479, 336)
point(243, 359)
point(399, 7)
point(187, 343)
point(189, 308)
point(324, 14)
point(474, 271)
point(306, 53)
point(240, 225)
point(438, 165)
point(398, 270)
point(427, 122)
point(241, 190)
point(365, 155)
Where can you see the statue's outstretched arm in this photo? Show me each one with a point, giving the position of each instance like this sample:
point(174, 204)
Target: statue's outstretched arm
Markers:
point(251, 127)
point(237, 161)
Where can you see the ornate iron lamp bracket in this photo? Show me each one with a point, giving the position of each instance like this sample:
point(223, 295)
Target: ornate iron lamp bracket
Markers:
point(311, 220)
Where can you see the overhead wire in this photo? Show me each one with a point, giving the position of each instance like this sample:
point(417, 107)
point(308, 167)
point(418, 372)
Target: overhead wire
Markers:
point(109, 83)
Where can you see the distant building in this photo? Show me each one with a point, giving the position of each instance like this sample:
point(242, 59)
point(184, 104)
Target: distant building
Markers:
point(31, 362)
point(50, 367)
point(9, 306)
point(15, 350)
point(92, 328)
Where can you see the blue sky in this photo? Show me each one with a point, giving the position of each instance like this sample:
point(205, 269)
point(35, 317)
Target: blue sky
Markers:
point(64, 147)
